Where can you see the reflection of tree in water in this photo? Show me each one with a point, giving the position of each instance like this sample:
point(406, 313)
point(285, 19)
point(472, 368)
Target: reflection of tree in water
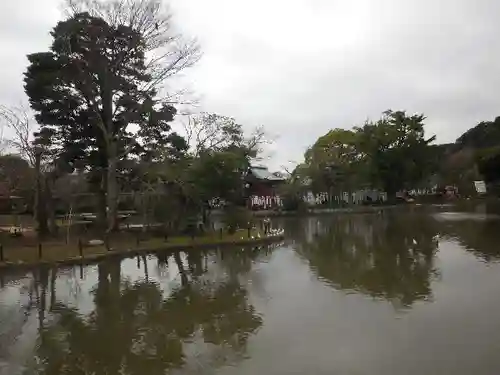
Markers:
point(382, 256)
point(134, 329)
point(481, 237)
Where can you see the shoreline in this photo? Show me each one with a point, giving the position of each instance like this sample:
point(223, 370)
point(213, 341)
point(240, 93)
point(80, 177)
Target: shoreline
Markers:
point(94, 258)
point(365, 209)
point(326, 210)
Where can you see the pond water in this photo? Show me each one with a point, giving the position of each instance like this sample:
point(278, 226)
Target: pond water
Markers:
point(396, 292)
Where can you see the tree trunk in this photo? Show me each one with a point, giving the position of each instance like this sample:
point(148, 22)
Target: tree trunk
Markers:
point(146, 272)
point(112, 188)
point(49, 205)
point(40, 208)
point(180, 267)
point(101, 202)
point(53, 274)
point(144, 204)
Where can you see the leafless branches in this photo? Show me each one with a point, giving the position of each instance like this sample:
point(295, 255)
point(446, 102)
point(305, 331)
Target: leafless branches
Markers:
point(208, 131)
point(167, 51)
point(19, 121)
point(258, 138)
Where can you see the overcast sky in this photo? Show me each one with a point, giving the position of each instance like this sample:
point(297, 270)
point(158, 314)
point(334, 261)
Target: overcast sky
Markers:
point(301, 67)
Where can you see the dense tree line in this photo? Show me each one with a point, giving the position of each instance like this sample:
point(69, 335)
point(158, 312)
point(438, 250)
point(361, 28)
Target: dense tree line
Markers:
point(394, 154)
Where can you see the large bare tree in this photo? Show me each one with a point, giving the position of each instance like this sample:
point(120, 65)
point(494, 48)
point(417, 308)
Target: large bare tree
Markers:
point(167, 50)
point(213, 132)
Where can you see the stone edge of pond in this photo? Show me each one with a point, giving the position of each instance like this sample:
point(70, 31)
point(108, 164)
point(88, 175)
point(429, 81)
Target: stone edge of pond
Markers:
point(128, 252)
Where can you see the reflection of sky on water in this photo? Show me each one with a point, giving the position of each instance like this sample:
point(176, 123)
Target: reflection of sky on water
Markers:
point(458, 216)
point(358, 294)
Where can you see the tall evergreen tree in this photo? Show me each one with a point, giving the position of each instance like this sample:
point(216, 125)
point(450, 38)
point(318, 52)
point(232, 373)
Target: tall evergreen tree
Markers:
point(93, 92)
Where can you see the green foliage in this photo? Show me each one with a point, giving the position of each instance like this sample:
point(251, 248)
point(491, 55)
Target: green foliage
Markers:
point(219, 159)
point(292, 191)
point(333, 159)
point(94, 97)
point(219, 174)
point(489, 164)
point(391, 153)
point(484, 135)
point(17, 176)
point(396, 151)
point(475, 155)
point(236, 217)
point(92, 87)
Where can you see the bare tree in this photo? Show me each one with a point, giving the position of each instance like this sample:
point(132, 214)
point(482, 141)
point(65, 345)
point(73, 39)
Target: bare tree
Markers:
point(168, 52)
point(18, 120)
point(23, 128)
point(209, 131)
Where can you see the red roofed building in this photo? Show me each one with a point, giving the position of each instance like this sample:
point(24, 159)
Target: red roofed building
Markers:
point(262, 187)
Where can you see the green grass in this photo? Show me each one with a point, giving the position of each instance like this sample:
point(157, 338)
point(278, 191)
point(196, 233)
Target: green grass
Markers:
point(22, 250)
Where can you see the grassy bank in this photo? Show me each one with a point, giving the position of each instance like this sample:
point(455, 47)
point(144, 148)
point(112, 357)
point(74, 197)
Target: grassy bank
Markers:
point(21, 251)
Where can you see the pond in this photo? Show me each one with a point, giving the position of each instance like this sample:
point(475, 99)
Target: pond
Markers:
point(395, 292)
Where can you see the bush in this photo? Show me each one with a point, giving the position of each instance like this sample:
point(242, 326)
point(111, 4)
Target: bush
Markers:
point(237, 217)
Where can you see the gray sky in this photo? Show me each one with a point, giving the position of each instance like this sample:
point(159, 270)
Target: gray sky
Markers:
point(301, 67)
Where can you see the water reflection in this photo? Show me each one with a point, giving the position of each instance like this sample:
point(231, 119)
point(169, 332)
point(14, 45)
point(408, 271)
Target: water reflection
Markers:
point(382, 256)
point(480, 237)
point(321, 303)
point(193, 312)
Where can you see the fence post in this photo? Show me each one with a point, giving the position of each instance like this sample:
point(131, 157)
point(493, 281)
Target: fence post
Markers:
point(220, 233)
point(1, 252)
point(80, 247)
point(39, 250)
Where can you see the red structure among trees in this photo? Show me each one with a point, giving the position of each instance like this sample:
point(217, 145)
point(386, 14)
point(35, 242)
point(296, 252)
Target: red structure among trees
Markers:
point(262, 187)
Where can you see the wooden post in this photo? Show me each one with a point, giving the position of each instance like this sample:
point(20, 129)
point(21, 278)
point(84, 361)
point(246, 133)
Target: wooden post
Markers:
point(220, 232)
point(81, 271)
point(39, 250)
point(249, 232)
point(138, 262)
point(80, 247)
point(1, 252)
point(138, 239)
